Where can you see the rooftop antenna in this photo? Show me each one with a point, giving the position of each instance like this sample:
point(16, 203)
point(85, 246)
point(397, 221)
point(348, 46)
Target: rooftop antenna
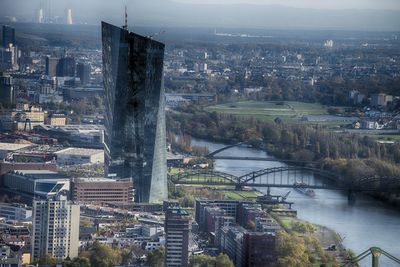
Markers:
point(125, 27)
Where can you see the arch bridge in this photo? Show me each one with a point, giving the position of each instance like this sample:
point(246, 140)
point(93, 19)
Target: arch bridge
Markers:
point(214, 155)
point(287, 177)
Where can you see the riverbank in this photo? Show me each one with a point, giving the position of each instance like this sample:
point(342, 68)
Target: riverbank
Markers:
point(325, 245)
point(348, 169)
point(366, 223)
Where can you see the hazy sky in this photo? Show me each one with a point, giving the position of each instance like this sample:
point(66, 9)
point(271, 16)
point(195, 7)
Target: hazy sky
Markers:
point(318, 4)
point(297, 14)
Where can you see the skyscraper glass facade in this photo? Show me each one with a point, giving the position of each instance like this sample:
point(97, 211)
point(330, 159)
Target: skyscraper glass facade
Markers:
point(135, 144)
point(8, 36)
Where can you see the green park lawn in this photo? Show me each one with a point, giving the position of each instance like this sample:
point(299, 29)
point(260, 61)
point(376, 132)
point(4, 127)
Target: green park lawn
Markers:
point(269, 110)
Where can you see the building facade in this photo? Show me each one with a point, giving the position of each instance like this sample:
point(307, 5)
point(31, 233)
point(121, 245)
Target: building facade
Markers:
point(177, 229)
point(135, 141)
point(40, 183)
point(247, 248)
point(15, 211)
point(51, 66)
point(83, 72)
point(55, 229)
point(8, 36)
point(7, 94)
point(66, 67)
point(102, 191)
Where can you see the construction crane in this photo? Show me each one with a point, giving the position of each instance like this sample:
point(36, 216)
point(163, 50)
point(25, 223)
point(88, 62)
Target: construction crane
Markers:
point(125, 27)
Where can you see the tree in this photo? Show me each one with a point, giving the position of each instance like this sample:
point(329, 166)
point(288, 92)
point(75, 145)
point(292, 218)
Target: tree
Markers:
point(156, 257)
point(104, 256)
point(46, 260)
point(201, 261)
point(224, 261)
point(207, 261)
point(86, 222)
point(77, 262)
point(291, 251)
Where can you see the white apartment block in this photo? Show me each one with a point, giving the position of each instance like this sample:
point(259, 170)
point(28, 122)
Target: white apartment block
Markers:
point(55, 229)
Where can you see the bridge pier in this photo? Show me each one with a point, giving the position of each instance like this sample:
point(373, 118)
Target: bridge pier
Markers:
point(351, 197)
point(375, 257)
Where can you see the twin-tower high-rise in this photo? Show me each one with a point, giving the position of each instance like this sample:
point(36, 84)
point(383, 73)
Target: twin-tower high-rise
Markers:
point(135, 141)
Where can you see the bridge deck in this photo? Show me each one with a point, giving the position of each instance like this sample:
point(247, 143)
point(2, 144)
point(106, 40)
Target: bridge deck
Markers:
point(286, 177)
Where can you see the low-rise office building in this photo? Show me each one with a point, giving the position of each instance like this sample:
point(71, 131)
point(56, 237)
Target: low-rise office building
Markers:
point(102, 191)
point(14, 211)
point(248, 248)
point(40, 183)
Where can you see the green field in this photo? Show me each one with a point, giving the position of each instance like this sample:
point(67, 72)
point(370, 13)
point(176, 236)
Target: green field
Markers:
point(381, 137)
point(269, 110)
point(240, 195)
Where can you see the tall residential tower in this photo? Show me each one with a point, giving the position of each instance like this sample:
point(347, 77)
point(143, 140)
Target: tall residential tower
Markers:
point(55, 230)
point(135, 141)
point(177, 231)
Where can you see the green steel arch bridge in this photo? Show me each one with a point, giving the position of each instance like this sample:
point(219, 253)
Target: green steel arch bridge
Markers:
point(287, 177)
point(375, 253)
point(213, 155)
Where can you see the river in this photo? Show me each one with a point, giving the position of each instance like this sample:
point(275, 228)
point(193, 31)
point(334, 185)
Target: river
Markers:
point(362, 225)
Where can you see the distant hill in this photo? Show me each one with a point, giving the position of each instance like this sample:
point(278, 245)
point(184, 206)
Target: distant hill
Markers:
point(174, 14)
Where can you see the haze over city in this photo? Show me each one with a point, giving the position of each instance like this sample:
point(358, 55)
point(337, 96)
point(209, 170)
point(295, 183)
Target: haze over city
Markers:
point(289, 14)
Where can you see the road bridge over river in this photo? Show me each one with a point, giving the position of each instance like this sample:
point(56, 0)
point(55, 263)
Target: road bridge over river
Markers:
point(288, 177)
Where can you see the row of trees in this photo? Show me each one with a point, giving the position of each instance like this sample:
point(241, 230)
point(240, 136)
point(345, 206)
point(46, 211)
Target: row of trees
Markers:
point(99, 255)
point(183, 144)
point(221, 260)
point(156, 259)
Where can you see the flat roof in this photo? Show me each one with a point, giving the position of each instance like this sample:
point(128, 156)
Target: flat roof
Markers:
point(40, 174)
point(79, 151)
point(13, 146)
point(170, 156)
point(72, 127)
point(94, 179)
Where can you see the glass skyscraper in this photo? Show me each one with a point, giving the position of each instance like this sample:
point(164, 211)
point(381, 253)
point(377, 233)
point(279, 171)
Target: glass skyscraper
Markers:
point(8, 36)
point(135, 141)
